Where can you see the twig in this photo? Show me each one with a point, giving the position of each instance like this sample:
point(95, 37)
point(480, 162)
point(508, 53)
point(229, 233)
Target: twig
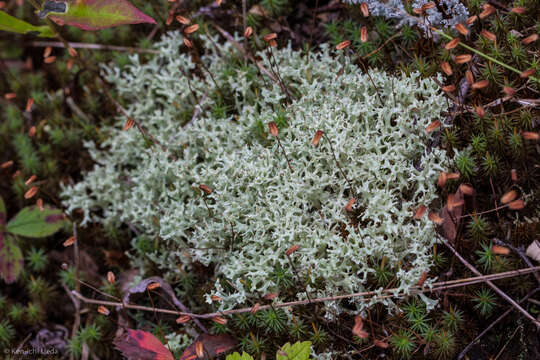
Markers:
point(493, 286)
point(139, 126)
point(76, 109)
point(468, 347)
point(242, 50)
point(519, 251)
point(91, 46)
point(338, 165)
point(22, 343)
point(75, 301)
point(197, 110)
point(284, 153)
point(388, 293)
point(383, 45)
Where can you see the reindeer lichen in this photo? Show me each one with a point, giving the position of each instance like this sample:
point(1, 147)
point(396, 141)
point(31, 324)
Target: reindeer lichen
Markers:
point(255, 207)
point(446, 14)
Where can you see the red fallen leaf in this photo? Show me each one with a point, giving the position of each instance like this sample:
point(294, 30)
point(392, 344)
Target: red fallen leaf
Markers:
point(358, 328)
point(95, 14)
point(213, 345)
point(141, 345)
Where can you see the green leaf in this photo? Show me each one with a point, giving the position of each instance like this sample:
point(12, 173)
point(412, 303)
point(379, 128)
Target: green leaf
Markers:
point(237, 356)
point(94, 14)
point(35, 223)
point(298, 351)
point(12, 24)
point(11, 259)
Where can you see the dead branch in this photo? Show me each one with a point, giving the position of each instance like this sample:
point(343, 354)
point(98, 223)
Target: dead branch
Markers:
point(387, 293)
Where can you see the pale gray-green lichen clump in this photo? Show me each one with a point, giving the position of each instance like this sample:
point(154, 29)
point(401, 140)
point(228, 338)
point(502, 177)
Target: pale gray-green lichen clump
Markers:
point(258, 207)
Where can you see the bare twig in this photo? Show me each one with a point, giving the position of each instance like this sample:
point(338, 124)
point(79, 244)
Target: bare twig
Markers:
point(197, 110)
point(139, 126)
point(468, 347)
point(493, 286)
point(338, 165)
point(242, 50)
point(365, 57)
point(76, 109)
point(521, 253)
point(387, 293)
point(91, 46)
point(284, 153)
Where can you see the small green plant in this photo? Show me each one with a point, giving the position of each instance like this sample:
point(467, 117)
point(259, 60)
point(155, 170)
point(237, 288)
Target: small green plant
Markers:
point(273, 320)
point(419, 322)
point(37, 260)
point(67, 277)
point(297, 351)
point(444, 345)
point(253, 344)
point(486, 257)
point(403, 343)
point(297, 329)
point(453, 319)
point(7, 333)
point(478, 228)
point(34, 314)
point(40, 290)
point(318, 336)
point(485, 301)
point(466, 164)
point(16, 312)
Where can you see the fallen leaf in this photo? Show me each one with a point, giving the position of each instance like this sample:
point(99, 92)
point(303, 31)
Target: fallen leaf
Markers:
point(213, 345)
point(452, 215)
point(533, 250)
point(96, 14)
point(141, 288)
point(141, 345)
point(358, 328)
